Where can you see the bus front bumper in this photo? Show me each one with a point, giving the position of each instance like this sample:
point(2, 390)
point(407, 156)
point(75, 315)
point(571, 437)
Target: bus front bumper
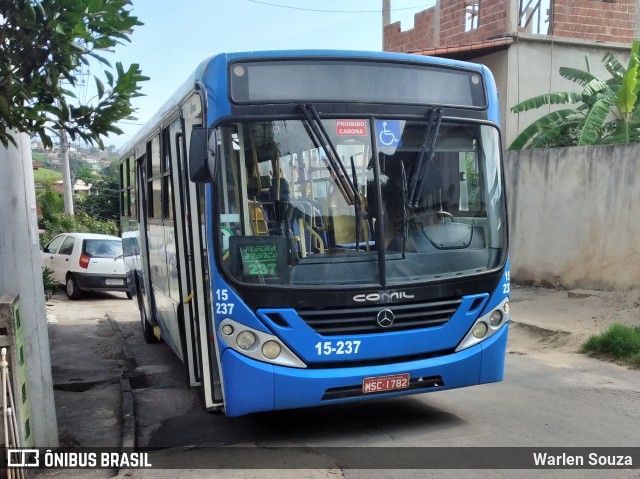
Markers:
point(252, 386)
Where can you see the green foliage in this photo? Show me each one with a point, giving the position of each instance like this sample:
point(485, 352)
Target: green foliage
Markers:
point(112, 169)
point(51, 203)
point(45, 175)
point(85, 173)
point(81, 222)
point(41, 157)
point(51, 287)
point(104, 201)
point(54, 221)
point(605, 112)
point(618, 342)
point(42, 44)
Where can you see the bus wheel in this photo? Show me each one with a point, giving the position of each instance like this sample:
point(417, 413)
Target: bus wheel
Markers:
point(147, 329)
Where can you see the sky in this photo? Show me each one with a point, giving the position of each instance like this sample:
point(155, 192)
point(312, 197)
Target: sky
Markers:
point(177, 36)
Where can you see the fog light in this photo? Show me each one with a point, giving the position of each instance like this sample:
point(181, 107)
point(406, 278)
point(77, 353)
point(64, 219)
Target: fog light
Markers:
point(496, 318)
point(227, 329)
point(480, 330)
point(271, 350)
point(506, 307)
point(246, 340)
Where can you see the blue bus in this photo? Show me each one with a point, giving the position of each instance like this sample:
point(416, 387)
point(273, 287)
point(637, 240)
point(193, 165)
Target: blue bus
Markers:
point(306, 228)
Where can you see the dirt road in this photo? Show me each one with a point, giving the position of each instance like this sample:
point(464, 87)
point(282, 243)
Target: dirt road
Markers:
point(550, 323)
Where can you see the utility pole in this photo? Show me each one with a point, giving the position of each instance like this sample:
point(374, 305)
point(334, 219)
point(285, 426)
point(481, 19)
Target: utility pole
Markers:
point(21, 273)
point(66, 174)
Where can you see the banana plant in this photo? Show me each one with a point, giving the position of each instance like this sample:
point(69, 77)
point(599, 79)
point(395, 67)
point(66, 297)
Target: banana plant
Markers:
point(604, 112)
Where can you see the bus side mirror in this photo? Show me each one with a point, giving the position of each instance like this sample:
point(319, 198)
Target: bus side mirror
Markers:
point(202, 156)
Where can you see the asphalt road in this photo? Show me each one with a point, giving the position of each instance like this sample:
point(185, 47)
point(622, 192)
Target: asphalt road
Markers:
point(572, 402)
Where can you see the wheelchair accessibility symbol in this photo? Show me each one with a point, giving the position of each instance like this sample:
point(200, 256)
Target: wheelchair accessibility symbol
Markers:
point(388, 132)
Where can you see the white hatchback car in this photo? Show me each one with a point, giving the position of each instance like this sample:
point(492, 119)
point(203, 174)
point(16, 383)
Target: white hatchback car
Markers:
point(86, 262)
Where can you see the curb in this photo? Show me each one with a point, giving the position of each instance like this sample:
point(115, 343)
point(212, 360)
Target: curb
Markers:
point(545, 332)
point(128, 415)
point(128, 420)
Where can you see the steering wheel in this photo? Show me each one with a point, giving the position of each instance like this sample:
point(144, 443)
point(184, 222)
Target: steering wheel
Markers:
point(434, 217)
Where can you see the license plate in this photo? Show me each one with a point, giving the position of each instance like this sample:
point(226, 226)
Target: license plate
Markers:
point(385, 383)
point(114, 282)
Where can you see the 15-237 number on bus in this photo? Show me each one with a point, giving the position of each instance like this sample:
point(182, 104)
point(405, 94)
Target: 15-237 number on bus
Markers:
point(327, 348)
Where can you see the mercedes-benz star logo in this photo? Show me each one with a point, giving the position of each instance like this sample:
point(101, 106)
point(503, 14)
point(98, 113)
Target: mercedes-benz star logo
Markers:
point(385, 318)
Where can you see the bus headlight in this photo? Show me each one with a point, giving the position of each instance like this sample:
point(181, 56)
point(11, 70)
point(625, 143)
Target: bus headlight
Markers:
point(486, 326)
point(271, 349)
point(257, 344)
point(480, 330)
point(496, 318)
point(246, 340)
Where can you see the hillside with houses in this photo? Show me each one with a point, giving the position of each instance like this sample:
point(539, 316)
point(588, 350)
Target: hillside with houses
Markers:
point(85, 163)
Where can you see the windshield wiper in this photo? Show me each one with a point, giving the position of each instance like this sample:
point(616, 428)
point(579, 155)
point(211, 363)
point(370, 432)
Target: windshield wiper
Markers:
point(405, 210)
point(426, 149)
point(334, 163)
point(359, 209)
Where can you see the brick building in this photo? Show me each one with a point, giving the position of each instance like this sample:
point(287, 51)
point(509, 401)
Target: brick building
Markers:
point(523, 42)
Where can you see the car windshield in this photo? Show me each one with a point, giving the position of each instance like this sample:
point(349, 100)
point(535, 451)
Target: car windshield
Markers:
point(103, 248)
point(314, 202)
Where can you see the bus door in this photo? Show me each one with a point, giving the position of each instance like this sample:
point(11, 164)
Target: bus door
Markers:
point(205, 366)
point(143, 285)
point(188, 315)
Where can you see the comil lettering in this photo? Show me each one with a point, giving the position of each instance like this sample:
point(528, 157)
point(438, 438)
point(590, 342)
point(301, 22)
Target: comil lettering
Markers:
point(378, 297)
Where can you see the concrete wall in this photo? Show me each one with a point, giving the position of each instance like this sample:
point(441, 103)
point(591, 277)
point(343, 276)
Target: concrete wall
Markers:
point(530, 68)
point(533, 69)
point(21, 274)
point(575, 216)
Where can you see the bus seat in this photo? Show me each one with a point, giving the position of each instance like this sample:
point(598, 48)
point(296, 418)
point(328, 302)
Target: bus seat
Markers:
point(312, 226)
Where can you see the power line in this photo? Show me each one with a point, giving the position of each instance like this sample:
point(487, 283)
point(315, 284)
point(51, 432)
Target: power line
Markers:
point(335, 11)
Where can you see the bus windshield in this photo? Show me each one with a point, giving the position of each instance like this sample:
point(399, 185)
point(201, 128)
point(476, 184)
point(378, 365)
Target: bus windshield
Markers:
point(340, 202)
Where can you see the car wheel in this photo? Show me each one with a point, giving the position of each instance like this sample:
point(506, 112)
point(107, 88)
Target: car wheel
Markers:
point(72, 289)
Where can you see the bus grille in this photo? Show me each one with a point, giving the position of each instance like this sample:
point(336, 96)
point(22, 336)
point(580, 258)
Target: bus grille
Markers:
point(363, 320)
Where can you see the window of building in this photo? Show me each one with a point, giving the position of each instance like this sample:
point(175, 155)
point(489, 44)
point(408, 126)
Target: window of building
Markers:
point(471, 15)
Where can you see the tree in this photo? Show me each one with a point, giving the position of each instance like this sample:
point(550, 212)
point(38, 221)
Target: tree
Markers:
point(85, 173)
point(606, 112)
point(42, 45)
point(103, 203)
